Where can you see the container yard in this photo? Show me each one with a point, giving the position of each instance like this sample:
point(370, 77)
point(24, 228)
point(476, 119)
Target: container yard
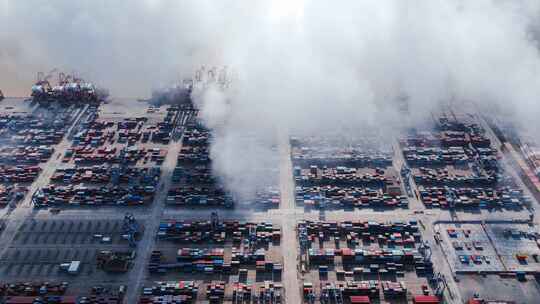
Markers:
point(107, 203)
point(487, 236)
point(110, 135)
point(30, 134)
point(522, 147)
point(222, 261)
point(270, 152)
point(333, 172)
point(344, 260)
point(336, 149)
point(194, 185)
point(92, 256)
point(114, 160)
point(355, 234)
point(457, 166)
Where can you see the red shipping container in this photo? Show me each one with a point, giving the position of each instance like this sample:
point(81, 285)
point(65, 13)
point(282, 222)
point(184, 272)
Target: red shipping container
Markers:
point(360, 300)
point(421, 299)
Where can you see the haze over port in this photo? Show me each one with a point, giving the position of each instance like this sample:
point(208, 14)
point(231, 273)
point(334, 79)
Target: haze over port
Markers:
point(269, 152)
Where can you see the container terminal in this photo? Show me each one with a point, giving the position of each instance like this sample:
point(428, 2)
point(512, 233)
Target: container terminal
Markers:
point(106, 202)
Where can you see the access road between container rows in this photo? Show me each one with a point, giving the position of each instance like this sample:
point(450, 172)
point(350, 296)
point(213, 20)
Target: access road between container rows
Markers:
point(288, 224)
point(146, 244)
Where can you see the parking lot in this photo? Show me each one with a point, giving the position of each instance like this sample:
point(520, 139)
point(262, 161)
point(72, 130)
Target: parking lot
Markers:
point(516, 246)
point(469, 249)
point(40, 247)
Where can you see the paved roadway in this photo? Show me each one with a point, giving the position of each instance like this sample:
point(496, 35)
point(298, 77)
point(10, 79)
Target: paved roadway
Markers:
point(146, 244)
point(289, 246)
